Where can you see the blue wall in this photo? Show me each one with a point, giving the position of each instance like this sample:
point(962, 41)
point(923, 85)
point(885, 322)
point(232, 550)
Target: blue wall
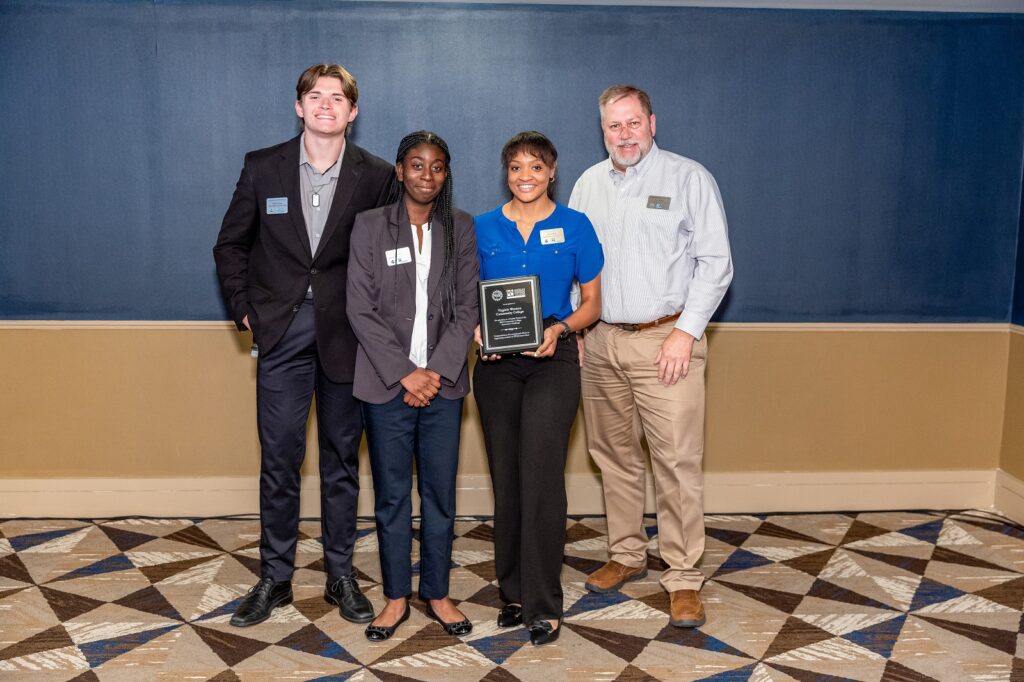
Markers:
point(870, 162)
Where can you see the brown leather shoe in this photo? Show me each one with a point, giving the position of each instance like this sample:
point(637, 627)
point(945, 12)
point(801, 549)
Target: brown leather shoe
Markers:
point(687, 609)
point(612, 576)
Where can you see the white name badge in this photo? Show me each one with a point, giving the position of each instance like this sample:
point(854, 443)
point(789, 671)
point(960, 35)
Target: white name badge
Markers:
point(552, 235)
point(398, 256)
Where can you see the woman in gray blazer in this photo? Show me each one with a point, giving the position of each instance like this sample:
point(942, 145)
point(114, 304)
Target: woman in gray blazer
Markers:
point(412, 302)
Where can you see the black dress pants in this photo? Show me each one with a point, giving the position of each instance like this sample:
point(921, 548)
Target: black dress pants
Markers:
point(287, 378)
point(527, 407)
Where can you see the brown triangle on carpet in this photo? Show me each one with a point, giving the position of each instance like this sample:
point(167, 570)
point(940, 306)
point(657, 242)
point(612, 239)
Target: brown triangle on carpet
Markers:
point(252, 564)
point(581, 564)
point(1009, 593)
point(626, 647)
point(385, 676)
point(14, 590)
point(51, 638)
point(859, 530)
point(232, 649)
point(159, 572)
point(12, 568)
point(775, 531)
point(194, 535)
point(314, 608)
point(1002, 640)
point(125, 540)
point(87, 676)
point(657, 600)
point(807, 675)
point(66, 605)
point(633, 674)
point(580, 531)
point(913, 565)
point(226, 676)
point(484, 570)
point(824, 589)
point(484, 532)
point(783, 601)
point(499, 675)
point(897, 672)
point(795, 634)
point(811, 563)
point(946, 555)
point(150, 600)
point(429, 638)
point(313, 640)
point(488, 595)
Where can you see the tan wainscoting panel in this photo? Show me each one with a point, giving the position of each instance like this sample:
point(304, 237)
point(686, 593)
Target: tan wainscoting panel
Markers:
point(1012, 457)
point(155, 400)
point(724, 493)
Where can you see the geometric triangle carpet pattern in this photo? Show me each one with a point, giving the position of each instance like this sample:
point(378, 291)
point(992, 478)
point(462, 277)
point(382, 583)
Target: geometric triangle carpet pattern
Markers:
point(910, 596)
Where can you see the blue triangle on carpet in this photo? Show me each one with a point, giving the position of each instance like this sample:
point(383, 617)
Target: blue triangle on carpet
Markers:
point(740, 560)
point(499, 647)
point(880, 637)
point(930, 592)
point(99, 652)
point(926, 532)
point(738, 675)
point(593, 601)
point(22, 542)
point(313, 640)
point(118, 562)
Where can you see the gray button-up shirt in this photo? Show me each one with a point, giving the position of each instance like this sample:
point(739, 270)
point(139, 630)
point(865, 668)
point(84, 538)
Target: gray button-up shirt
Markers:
point(665, 238)
point(311, 179)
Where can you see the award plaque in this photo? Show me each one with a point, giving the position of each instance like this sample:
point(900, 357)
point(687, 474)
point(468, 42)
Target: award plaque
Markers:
point(510, 315)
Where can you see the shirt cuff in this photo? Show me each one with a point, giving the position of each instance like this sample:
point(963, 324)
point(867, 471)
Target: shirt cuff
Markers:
point(692, 324)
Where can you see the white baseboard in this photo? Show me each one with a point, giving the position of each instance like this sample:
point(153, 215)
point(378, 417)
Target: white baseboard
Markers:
point(1009, 496)
point(724, 493)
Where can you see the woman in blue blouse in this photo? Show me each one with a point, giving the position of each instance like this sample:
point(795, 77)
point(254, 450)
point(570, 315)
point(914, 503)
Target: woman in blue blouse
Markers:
point(528, 401)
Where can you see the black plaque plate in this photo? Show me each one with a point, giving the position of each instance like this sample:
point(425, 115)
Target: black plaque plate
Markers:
point(510, 314)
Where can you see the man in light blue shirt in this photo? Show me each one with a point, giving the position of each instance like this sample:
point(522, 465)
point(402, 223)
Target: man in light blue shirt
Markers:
point(660, 219)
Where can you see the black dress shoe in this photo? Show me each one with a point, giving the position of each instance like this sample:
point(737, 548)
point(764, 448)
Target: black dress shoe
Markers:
point(510, 615)
point(261, 600)
point(351, 602)
point(456, 629)
point(378, 633)
point(541, 632)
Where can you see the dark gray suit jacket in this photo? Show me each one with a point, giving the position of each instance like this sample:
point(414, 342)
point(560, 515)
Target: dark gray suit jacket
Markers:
point(382, 304)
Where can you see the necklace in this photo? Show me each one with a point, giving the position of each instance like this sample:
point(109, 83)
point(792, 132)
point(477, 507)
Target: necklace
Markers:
point(315, 194)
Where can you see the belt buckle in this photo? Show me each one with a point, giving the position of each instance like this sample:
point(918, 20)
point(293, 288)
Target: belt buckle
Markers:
point(629, 326)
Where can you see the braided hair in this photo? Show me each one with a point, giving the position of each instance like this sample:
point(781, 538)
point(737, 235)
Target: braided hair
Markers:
point(440, 212)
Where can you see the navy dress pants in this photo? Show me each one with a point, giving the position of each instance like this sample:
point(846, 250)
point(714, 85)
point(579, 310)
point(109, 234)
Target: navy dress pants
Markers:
point(398, 434)
point(527, 407)
point(287, 378)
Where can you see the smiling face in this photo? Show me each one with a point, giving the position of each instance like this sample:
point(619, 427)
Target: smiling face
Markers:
point(325, 110)
point(628, 131)
point(529, 176)
point(422, 173)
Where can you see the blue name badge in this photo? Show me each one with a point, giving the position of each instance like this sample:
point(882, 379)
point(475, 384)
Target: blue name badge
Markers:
point(277, 205)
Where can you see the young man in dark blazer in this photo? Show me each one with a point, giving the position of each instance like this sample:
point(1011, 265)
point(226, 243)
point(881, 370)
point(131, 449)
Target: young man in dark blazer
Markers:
point(282, 256)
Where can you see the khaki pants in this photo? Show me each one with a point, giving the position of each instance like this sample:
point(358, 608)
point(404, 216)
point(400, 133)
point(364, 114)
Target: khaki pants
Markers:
point(622, 401)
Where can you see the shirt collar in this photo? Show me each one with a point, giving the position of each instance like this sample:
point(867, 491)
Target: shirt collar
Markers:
point(639, 169)
point(331, 172)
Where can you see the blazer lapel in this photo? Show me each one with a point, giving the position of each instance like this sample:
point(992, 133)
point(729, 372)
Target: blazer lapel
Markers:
point(436, 258)
point(348, 178)
point(288, 168)
point(399, 237)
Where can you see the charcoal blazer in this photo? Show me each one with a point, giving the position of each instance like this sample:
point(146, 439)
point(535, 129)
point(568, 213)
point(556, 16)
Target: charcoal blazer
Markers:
point(263, 257)
point(382, 304)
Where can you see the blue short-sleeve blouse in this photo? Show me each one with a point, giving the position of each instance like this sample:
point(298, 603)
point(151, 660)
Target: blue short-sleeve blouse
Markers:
point(563, 247)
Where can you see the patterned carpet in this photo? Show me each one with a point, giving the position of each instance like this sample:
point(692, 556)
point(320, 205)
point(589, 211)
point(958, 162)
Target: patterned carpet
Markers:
point(871, 596)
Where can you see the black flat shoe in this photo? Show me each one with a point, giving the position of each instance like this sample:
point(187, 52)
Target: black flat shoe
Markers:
point(378, 633)
point(262, 599)
point(510, 615)
point(541, 632)
point(456, 629)
point(351, 602)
